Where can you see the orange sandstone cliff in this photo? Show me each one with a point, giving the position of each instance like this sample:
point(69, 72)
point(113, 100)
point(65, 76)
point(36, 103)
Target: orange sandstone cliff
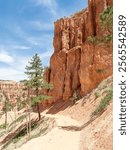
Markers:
point(76, 65)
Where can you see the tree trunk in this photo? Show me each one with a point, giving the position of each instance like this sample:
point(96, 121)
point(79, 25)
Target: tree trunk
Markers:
point(5, 112)
point(39, 114)
point(38, 108)
point(27, 122)
point(29, 112)
point(5, 118)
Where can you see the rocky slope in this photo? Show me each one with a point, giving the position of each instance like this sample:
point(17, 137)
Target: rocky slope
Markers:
point(73, 126)
point(95, 132)
point(76, 66)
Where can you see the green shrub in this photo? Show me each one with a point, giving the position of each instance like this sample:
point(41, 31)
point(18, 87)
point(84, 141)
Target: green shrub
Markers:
point(93, 40)
point(16, 140)
point(35, 100)
point(104, 103)
point(39, 133)
point(21, 118)
point(107, 38)
point(98, 40)
point(2, 133)
point(100, 71)
point(106, 24)
point(106, 19)
point(96, 95)
point(2, 126)
point(23, 132)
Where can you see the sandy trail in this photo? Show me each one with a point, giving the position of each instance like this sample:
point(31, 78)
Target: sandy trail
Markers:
point(57, 138)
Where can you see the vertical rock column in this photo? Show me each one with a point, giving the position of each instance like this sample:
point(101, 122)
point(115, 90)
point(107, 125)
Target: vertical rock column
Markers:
point(75, 64)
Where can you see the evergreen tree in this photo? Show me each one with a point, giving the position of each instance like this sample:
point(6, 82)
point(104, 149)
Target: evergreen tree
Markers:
point(35, 82)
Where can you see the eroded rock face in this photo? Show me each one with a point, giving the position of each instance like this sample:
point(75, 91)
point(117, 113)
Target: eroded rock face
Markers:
point(75, 64)
point(95, 65)
point(10, 90)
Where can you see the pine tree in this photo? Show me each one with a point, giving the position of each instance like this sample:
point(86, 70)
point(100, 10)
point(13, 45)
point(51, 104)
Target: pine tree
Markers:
point(35, 81)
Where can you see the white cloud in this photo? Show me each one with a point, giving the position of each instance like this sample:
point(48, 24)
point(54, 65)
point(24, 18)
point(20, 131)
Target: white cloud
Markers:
point(11, 74)
point(45, 41)
point(15, 66)
point(20, 47)
point(50, 4)
point(39, 25)
point(5, 57)
point(30, 39)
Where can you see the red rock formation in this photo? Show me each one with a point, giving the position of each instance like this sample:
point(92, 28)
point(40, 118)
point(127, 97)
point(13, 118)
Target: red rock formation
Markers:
point(75, 64)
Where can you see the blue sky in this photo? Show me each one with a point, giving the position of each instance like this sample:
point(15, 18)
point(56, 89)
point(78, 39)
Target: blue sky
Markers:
point(26, 27)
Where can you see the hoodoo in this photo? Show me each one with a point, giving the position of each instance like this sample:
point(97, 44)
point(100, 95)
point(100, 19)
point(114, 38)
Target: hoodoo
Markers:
point(78, 66)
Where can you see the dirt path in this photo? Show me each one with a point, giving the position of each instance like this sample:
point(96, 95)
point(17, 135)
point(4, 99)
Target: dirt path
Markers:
point(57, 138)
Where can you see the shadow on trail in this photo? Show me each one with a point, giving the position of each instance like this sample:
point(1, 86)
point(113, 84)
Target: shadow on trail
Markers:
point(58, 106)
